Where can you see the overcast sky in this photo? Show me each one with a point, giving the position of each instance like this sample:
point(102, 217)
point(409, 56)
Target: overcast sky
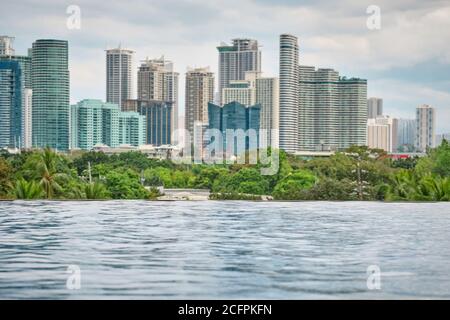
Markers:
point(406, 62)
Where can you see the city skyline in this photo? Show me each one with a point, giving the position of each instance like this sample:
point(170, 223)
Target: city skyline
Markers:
point(405, 76)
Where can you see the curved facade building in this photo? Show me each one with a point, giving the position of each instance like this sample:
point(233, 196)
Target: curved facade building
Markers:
point(289, 93)
point(119, 81)
point(50, 82)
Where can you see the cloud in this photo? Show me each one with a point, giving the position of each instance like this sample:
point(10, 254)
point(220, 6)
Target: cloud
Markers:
point(403, 97)
point(332, 34)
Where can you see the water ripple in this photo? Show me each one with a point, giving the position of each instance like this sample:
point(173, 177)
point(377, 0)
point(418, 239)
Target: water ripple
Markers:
point(214, 249)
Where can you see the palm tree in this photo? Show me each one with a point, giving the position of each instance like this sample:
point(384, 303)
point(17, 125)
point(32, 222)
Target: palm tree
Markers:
point(96, 190)
point(404, 184)
point(27, 190)
point(47, 168)
point(437, 188)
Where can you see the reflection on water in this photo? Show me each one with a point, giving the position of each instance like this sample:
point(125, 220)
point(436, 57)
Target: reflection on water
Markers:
point(233, 249)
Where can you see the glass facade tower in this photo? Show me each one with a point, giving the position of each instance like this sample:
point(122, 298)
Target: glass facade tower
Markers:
point(11, 88)
point(50, 83)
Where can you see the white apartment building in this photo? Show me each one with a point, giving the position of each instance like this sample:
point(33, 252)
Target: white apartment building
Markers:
point(119, 75)
point(382, 133)
point(235, 60)
point(425, 127)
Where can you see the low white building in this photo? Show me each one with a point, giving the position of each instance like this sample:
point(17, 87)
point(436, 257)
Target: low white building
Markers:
point(382, 133)
point(163, 152)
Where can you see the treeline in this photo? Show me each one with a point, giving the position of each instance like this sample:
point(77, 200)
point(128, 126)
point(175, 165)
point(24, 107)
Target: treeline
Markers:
point(357, 174)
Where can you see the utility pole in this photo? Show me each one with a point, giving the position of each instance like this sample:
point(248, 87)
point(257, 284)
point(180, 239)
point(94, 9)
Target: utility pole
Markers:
point(90, 173)
point(360, 191)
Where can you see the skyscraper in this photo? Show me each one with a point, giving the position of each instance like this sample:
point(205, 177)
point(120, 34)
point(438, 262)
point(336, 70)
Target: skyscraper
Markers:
point(131, 128)
point(425, 127)
point(332, 110)
point(258, 90)
point(267, 96)
point(119, 77)
point(94, 122)
point(318, 110)
point(7, 53)
point(11, 88)
point(236, 59)
point(199, 92)
point(50, 83)
point(27, 118)
point(406, 134)
point(158, 119)
point(352, 114)
point(6, 46)
point(158, 81)
point(289, 92)
point(236, 118)
point(242, 91)
point(374, 108)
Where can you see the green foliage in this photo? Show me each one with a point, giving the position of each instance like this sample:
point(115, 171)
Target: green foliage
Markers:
point(49, 168)
point(96, 191)
point(246, 181)
point(441, 157)
point(294, 186)
point(408, 186)
point(28, 190)
point(332, 189)
point(408, 163)
point(5, 176)
point(158, 176)
point(125, 184)
point(358, 173)
point(153, 194)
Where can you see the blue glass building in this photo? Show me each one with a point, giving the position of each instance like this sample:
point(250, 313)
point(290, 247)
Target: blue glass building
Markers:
point(50, 82)
point(233, 117)
point(11, 85)
point(158, 123)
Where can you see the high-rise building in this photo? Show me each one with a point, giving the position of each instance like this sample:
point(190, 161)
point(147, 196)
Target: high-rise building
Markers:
point(158, 119)
point(158, 81)
point(94, 122)
point(289, 93)
point(7, 53)
point(6, 46)
point(199, 92)
point(25, 65)
point(240, 91)
point(332, 110)
point(11, 88)
point(235, 60)
point(234, 117)
point(119, 75)
point(352, 117)
point(382, 133)
point(406, 134)
point(131, 128)
point(267, 96)
point(318, 111)
point(27, 115)
point(374, 108)
point(51, 89)
point(258, 90)
point(425, 127)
